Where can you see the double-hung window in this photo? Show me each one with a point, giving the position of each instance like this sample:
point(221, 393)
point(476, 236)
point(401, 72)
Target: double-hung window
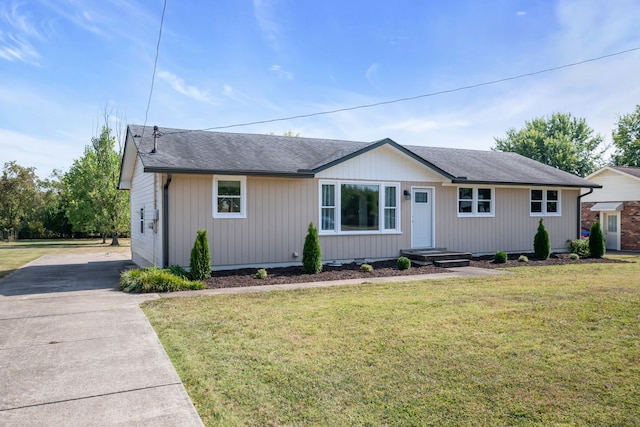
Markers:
point(359, 207)
point(229, 196)
point(544, 202)
point(475, 201)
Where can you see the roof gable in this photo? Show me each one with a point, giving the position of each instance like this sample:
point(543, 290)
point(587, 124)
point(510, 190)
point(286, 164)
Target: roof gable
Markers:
point(632, 172)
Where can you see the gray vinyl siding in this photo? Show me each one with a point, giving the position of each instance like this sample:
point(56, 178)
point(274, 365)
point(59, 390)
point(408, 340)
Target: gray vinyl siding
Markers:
point(511, 229)
point(142, 197)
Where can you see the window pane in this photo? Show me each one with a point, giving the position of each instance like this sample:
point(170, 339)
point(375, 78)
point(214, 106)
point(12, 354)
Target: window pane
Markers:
point(484, 194)
point(328, 219)
point(536, 195)
point(390, 219)
point(612, 224)
point(465, 193)
point(536, 207)
point(465, 206)
point(390, 197)
point(359, 207)
point(484, 207)
point(228, 188)
point(422, 197)
point(328, 195)
point(229, 204)
point(552, 207)
point(552, 195)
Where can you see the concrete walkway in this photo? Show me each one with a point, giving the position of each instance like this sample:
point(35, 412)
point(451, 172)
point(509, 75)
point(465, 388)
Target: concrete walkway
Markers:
point(75, 352)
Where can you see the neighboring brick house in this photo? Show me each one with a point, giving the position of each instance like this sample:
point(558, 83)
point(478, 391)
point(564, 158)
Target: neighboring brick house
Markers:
point(616, 205)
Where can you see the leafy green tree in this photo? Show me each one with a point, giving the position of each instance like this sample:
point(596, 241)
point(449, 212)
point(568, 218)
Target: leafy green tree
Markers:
point(94, 202)
point(541, 242)
point(311, 252)
point(200, 262)
point(626, 140)
point(18, 190)
point(597, 246)
point(561, 141)
point(52, 211)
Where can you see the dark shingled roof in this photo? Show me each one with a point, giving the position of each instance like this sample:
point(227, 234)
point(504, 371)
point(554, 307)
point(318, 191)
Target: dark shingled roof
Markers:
point(252, 154)
point(628, 169)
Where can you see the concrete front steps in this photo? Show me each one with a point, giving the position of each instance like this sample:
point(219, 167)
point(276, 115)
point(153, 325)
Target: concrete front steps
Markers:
point(440, 257)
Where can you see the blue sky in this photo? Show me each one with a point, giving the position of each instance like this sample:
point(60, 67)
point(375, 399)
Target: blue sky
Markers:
point(63, 62)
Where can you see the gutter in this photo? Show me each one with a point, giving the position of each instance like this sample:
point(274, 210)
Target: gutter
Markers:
point(165, 222)
point(579, 210)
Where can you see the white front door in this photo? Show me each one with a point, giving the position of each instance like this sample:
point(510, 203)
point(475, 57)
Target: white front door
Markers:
point(611, 230)
point(421, 217)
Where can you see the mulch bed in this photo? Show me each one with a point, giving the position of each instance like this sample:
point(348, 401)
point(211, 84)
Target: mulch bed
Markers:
point(285, 275)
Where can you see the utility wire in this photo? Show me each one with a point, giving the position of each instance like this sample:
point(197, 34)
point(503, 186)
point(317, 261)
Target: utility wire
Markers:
point(411, 98)
point(155, 66)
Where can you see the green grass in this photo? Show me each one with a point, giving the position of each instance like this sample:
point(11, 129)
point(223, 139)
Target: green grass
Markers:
point(16, 254)
point(541, 346)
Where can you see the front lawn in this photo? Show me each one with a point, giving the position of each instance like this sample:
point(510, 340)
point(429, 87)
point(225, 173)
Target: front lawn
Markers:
point(542, 346)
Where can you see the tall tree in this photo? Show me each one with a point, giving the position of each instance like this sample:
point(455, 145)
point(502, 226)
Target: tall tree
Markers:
point(18, 190)
point(95, 203)
point(561, 141)
point(626, 140)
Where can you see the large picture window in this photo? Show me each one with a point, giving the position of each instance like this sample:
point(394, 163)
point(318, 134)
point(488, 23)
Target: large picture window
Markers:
point(544, 202)
point(355, 207)
point(475, 201)
point(229, 197)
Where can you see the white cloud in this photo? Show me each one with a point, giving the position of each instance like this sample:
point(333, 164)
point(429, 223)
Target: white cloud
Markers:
point(371, 71)
point(265, 14)
point(281, 73)
point(15, 43)
point(180, 86)
point(521, 13)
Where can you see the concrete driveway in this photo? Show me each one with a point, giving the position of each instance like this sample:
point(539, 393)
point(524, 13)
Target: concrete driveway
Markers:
point(75, 352)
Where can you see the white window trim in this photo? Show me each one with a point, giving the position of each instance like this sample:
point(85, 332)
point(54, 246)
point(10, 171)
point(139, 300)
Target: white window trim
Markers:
point(243, 196)
point(544, 202)
point(474, 202)
point(338, 208)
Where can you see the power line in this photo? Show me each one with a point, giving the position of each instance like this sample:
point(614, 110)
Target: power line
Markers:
point(411, 98)
point(155, 66)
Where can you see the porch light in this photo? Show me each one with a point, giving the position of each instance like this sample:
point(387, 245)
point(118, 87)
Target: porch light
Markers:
point(407, 195)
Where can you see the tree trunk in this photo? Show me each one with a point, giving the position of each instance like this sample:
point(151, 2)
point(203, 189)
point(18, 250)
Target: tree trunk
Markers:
point(104, 238)
point(114, 240)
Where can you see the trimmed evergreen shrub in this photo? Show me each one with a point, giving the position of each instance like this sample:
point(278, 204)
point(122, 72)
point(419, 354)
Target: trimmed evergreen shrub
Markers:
point(580, 247)
point(500, 257)
point(261, 274)
point(523, 258)
point(574, 257)
point(366, 268)
point(541, 242)
point(312, 253)
point(200, 263)
point(597, 246)
point(177, 270)
point(403, 263)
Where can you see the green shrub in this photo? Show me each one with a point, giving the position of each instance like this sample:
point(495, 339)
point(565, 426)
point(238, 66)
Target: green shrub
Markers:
point(597, 247)
point(200, 263)
point(177, 270)
point(366, 268)
point(580, 247)
point(403, 263)
point(523, 258)
point(541, 242)
point(155, 280)
point(574, 257)
point(261, 274)
point(500, 257)
point(312, 253)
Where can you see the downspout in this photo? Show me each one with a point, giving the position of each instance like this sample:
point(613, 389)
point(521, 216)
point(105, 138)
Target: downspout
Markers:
point(165, 222)
point(580, 211)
